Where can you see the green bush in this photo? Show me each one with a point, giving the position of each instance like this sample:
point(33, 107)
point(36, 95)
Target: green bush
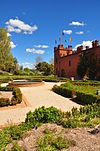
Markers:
point(16, 147)
point(7, 88)
point(43, 115)
point(50, 79)
point(17, 96)
point(64, 91)
point(51, 142)
point(4, 102)
point(86, 98)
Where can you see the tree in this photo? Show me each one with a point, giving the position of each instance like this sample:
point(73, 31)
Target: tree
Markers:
point(6, 58)
point(92, 69)
point(45, 68)
point(83, 65)
point(27, 70)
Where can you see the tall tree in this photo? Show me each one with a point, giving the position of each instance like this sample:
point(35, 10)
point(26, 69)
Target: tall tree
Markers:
point(83, 65)
point(6, 58)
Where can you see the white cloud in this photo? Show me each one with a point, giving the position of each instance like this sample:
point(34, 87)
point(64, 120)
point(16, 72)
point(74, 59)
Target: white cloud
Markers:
point(16, 25)
point(41, 46)
point(8, 34)
point(79, 32)
point(28, 65)
point(75, 23)
point(12, 45)
point(84, 43)
point(33, 50)
point(67, 32)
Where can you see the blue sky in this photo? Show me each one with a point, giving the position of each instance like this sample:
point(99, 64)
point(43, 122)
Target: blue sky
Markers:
point(34, 25)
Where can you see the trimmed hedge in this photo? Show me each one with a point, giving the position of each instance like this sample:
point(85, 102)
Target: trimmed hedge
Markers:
point(83, 94)
point(50, 79)
point(64, 91)
point(87, 98)
point(4, 102)
point(17, 96)
point(7, 88)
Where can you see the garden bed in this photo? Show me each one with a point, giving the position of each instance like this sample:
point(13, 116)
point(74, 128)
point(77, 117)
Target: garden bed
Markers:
point(7, 100)
point(85, 93)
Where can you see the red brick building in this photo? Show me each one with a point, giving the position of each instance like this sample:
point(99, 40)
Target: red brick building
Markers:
point(66, 60)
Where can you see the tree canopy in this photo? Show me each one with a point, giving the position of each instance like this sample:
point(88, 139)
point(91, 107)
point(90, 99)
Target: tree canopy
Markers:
point(45, 68)
point(6, 58)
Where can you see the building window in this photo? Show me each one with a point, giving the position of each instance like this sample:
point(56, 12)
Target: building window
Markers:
point(56, 61)
point(69, 63)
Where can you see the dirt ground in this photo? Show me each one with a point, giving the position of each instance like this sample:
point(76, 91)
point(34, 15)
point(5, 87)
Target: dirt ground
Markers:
point(87, 139)
point(4, 94)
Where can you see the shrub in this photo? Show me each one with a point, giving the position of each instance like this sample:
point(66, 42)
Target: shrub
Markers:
point(7, 88)
point(15, 132)
point(87, 98)
point(51, 142)
point(75, 111)
point(16, 147)
point(43, 115)
point(17, 96)
point(70, 93)
point(4, 102)
point(69, 123)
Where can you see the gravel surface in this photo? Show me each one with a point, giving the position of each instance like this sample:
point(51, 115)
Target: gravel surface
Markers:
point(37, 97)
point(4, 94)
point(84, 140)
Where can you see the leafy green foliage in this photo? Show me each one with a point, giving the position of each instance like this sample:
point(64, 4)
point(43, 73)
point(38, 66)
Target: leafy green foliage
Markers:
point(51, 142)
point(82, 66)
point(85, 92)
point(93, 68)
point(17, 96)
point(6, 58)
point(16, 147)
point(43, 115)
point(45, 68)
point(89, 115)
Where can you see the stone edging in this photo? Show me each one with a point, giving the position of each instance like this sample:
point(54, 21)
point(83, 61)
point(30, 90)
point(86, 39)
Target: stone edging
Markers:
point(27, 85)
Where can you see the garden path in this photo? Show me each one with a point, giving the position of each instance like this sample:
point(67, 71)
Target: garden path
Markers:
point(37, 97)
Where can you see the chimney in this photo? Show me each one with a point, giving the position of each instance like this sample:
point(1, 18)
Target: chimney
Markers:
point(55, 48)
point(81, 47)
point(96, 43)
point(69, 49)
point(93, 44)
point(87, 47)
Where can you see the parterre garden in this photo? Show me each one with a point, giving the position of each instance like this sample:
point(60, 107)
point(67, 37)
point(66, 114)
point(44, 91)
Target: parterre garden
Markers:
point(87, 116)
point(86, 92)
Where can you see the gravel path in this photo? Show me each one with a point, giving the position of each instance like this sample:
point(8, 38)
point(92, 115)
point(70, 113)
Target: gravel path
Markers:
point(37, 97)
